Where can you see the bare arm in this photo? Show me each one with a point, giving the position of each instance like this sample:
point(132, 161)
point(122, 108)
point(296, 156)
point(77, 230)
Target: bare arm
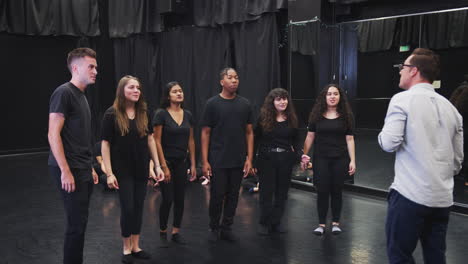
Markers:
point(154, 157)
point(157, 135)
point(56, 122)
point(205, 142)
point(106, 159)
point(249, 138)
point(191, 147)
point(101, 164)
point(305, 160)
point(351, 152)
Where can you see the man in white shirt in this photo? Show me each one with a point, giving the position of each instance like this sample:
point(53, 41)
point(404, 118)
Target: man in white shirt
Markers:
point(426, 132)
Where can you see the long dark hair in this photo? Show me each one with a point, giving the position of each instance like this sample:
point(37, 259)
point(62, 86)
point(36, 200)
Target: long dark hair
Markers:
point(320, 107)
point(268, 111)
point(165, 102)
point(121, 119)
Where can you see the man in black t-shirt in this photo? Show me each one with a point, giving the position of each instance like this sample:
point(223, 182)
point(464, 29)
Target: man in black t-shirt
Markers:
point(227, 150)
point(70, 158)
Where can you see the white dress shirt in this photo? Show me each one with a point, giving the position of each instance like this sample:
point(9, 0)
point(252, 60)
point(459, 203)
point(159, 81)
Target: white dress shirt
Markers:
point(426, 132)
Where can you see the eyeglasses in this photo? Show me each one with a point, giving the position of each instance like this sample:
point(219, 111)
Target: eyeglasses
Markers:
point(400, 66)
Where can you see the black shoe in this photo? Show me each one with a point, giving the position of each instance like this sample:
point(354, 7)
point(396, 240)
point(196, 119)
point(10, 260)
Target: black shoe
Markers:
point(127, 259)
point(177, 238)
point(213, 235)
point(263, 230)
point(278, 228)
point(227, 235)
point(141, 255)
point(163, 239)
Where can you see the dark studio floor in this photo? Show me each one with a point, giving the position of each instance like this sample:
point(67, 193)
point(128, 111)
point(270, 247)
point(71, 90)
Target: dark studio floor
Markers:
point(33, 225)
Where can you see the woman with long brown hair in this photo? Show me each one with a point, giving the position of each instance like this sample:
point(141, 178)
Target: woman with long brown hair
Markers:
point(127, 146)
point(331, 129)
point(276, 138)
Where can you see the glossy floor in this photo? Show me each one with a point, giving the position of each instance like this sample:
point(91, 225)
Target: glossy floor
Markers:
point(33, 224)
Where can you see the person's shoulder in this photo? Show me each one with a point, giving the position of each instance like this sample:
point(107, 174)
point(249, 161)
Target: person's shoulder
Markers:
point(188, 113)
point(213, 99)
point(63, 88)
point(243, 99)
point(160, 112)
point(110, 111)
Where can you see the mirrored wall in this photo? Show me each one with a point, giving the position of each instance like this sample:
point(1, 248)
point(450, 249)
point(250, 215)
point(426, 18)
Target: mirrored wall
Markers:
point(362, 56)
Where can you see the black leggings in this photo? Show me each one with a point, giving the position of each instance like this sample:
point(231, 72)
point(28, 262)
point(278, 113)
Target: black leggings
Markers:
point(329, 175)
point(173, 192)
point(132, 194)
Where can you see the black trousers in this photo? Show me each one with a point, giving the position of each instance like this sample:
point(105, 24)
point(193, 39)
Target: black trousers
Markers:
point(407, 223)
point(132, 192)
point(76, 209)
point(173, 192)
point(224, 194)
point(274, 170)
point(329, 175)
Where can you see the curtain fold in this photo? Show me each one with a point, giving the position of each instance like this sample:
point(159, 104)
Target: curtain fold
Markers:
point(55, 17)
point(376, 35)
point(305, 38)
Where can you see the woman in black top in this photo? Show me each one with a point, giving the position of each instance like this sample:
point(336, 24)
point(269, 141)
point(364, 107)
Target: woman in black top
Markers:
point(127, 145)
point(275, 137)
point(331, 128)
point(173, 133)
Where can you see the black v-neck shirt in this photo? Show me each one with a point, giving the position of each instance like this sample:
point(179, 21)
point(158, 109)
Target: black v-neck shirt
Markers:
point(175, 137)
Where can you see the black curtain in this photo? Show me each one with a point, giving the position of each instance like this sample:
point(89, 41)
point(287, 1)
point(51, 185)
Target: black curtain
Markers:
point(133, 17)
point(376, 35)
point(305, 38)
point(55, 17)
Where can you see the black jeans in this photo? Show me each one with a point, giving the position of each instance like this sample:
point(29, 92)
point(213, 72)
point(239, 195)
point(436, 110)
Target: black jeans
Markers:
point(274, 170)
point(407, 222)
point(76, 209)
point(173, 192)
point(224, 192)
point(132, 194)
point(329, 175)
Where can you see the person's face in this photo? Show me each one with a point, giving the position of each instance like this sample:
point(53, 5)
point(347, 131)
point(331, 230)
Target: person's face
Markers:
point(230, 81)
point(280, 104)
point(176, 95)
point(406, 74)
point(86, 69)
point(333, 96)
point(132, 91)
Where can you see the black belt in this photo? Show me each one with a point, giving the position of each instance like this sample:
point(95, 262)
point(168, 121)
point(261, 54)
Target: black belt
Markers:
point(278, 150)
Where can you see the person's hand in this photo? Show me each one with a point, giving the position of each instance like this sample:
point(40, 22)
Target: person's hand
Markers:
point(247, 168)
point(112, 182)
point(193, 173)
point(253, 171)
point(352, 167)
point(161, 175)
point(95, 177)
point(68, 181)
point(206, 170)
point(305, 160)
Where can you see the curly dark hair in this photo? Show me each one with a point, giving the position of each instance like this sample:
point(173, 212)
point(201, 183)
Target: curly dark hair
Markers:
point(320, 107)
point(459, 99)
point(268, 111)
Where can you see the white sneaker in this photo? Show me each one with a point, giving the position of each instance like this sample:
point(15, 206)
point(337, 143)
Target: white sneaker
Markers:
point(319, 231)
point(336, 229)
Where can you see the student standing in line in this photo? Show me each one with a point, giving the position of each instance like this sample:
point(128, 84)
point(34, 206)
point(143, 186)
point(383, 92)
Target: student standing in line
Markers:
point(127, 146)
point(173, 133)
point(331, 129)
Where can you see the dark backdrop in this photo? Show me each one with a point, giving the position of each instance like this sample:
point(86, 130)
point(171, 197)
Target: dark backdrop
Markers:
point(245, 36)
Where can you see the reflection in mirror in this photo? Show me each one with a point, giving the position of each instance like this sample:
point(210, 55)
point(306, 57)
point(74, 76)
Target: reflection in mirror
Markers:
point(369, 51)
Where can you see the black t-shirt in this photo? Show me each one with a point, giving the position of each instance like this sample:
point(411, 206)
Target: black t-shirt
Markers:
point(227, 119)
point(175, 138)
point(330, 137)
point(281, 136)
point(129, 153)
point(70, 101)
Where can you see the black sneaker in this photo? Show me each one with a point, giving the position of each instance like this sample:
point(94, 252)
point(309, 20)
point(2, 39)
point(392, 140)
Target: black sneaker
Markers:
point(163, 239)
point(127, 259)
point(141, 255)
point(227, 235)
point(262, 230)
point(213, 235)
point(177, 238)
